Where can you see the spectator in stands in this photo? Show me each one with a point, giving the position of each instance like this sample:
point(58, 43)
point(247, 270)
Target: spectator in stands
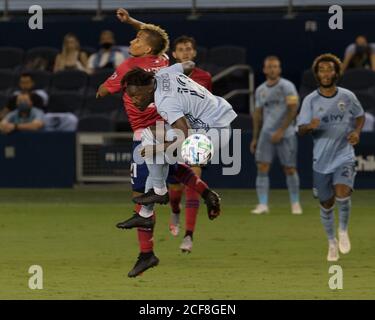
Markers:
point(185, 49)
point(360, 54)
point(71, 56)
point(26, 84)
point(108, 57)
point(25, 117)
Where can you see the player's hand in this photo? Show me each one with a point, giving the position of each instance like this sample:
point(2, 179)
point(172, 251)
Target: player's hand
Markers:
point(277, 136)
point(253, 145)
point(314, 123)
point(123, 15)
point(353, 138)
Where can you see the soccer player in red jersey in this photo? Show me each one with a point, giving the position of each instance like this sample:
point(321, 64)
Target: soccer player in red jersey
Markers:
point(148, 52)
point(185, 49)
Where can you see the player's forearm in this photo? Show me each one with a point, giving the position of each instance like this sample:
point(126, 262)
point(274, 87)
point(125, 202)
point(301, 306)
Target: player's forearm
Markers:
point(304, 129)
point(136, 24)
point(257, 123)
point(289, 118)
point(102, 92)
point(359, 123)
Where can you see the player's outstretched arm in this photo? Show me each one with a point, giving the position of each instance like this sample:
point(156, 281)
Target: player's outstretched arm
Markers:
point(124, 16)
point(102, 92)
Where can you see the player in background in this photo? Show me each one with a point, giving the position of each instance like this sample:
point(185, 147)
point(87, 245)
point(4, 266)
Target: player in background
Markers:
point(276, 107)
point(184, 49)
point(334, 117)
point(148, 52)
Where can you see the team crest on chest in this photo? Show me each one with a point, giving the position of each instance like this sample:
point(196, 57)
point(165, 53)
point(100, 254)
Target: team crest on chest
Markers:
point(341, 105)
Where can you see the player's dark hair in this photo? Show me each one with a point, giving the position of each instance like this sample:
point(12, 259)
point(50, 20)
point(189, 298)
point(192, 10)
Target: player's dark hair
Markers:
point(26, 74)
point(137, 77)
point(184, 39)
point(327, 57)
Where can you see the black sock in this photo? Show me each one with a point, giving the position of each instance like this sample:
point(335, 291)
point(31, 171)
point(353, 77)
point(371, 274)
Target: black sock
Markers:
point(189, 233)
point(147, 254)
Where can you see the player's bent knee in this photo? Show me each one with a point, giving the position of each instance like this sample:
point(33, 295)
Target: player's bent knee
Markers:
point(328, 204)
point(342, 191)
point(289, 171)
point(263, 167)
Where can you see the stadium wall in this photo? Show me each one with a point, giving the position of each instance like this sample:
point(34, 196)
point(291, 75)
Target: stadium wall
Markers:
point(48, 160)
point(261, 33)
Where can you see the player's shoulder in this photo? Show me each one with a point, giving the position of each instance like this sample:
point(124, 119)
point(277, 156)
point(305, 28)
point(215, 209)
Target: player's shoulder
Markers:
point(311, 96)
point(286, 83)
point(346, 92)
point(261, 87)
point(202, 73)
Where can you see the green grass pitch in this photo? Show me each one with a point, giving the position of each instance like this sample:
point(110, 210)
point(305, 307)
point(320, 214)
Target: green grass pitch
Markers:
point(71, 234)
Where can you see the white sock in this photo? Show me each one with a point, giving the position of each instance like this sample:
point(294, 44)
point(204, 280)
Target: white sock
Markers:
point(160, 191)
point(146, 212)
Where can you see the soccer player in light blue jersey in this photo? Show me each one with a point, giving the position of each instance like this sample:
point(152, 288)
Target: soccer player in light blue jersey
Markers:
point(273, 132)
point(335, 118)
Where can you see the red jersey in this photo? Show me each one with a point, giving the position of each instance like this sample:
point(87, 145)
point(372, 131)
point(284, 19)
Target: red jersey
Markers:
point(202, 77)
point(138, 119)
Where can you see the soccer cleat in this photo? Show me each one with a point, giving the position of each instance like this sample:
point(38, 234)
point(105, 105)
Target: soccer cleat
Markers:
point(296, 208)
point(174, 226)
point(144, 262)
point(344, 242)
point(212, 201)
point(136, 221)
point(151, 197)
point(260, 209)
point(187, 244)
point(333, 251)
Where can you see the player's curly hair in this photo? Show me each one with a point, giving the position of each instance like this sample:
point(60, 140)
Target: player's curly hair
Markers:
point(327, 57)
point(158, 37)
point(137, 77)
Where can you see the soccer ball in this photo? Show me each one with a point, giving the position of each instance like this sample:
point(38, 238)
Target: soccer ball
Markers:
point(197, 149)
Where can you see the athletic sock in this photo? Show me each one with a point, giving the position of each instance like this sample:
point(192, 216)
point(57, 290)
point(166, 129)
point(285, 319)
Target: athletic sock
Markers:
point(175, 200)
point(262, 186)
point(292, 182)
point(191, 208)
point(145, 236)
point(344, 207)
point(146, 211)
point(189, 233)
point(185, 175)
point(327, 218)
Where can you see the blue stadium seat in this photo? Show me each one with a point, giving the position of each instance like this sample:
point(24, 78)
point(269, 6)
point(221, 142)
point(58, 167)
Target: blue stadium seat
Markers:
point(45, 55)
point(95, 123)
point(65, 102)
point(69, 80)
point(105, 105)
point(10, 57)
point(226, 56)
point(308, 84)
point(7, 81)
point(97, 78)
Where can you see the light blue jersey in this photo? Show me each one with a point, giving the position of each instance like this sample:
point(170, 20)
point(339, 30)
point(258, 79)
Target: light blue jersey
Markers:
point(34, 114)
point(272, 99)
point(178, 96)
point(337, 116)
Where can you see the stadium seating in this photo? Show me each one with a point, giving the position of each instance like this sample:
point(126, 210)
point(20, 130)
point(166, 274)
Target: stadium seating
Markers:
point(201, 57)
point(41, 79)
point(97, 78)
point(367, 101)
point(65, 102)
point(48, 54)
point(308, 84)
point(359, 80)
point(3, 100)
point(95, 123)
point(7, 81)
point(226, 56)
point(243, 122)
point(10, 57)
point(102, 105)
point(69, 80)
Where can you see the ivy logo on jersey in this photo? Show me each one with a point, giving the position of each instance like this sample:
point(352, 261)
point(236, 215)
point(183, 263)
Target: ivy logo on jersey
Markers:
point(197, 149)
point(341, 106)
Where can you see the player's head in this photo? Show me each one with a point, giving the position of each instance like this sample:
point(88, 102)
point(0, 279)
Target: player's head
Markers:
point(272, 67)
point(150, 40)
point(26, 82)
point(139, 87)
point(107, 39)
point(184, 49)
point(327, 70)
